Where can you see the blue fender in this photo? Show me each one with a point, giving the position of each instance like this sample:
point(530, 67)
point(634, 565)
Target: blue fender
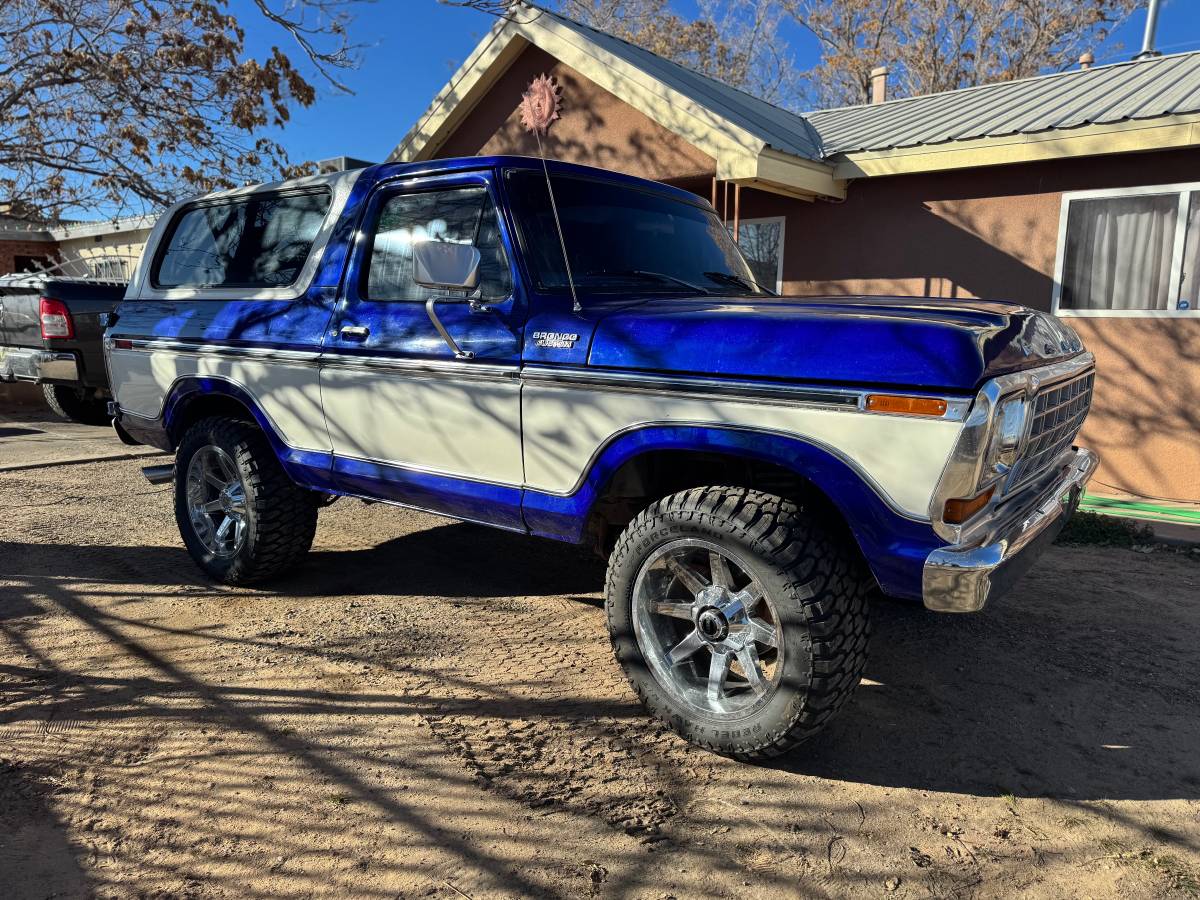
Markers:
point(894, 545)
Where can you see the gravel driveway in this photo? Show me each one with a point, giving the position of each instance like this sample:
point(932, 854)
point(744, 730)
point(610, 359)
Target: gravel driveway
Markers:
point(430, 709)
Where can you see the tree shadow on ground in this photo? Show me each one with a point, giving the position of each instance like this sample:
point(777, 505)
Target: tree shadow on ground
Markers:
point(1043, 694)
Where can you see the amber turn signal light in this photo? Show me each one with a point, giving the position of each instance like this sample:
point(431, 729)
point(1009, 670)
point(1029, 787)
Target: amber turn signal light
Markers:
point(958, 511)
point(913, 406)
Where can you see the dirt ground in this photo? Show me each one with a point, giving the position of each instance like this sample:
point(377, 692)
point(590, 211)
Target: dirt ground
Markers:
point(429, 709)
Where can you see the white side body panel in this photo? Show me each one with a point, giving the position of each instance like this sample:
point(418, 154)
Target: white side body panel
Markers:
point(462, 426)
point(471, 427)
point(566, 426)
point(287, 392)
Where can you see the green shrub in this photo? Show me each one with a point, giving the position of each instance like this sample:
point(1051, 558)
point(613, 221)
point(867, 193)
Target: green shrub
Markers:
point(1088, 528)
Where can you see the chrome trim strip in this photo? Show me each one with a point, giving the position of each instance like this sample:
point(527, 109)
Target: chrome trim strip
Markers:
point(324, 359)
point(434, 368)
point(200, 348)
point(428, 470)
point(706, 388)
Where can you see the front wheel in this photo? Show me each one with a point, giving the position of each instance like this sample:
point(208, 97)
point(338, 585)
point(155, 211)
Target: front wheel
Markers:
point(240, 516)
point(739, 619)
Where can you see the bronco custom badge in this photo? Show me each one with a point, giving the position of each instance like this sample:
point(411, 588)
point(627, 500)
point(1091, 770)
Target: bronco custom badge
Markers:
point(556, 340)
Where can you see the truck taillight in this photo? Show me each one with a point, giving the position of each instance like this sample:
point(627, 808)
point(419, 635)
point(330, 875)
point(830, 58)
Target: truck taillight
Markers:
point(56, 320)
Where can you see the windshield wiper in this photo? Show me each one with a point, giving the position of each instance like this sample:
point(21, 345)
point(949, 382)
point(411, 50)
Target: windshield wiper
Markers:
point(657, 276)
point(738, 281)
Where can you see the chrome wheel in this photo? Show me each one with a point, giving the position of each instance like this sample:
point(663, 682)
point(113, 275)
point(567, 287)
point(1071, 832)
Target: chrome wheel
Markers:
point(707, 628)
point(216, 501)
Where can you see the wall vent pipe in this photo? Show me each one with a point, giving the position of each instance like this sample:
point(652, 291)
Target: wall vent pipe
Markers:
point(1148, 50)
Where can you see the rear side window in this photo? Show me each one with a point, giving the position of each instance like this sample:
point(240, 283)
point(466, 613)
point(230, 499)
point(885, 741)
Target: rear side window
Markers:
point(458, 215)
point(261, 241)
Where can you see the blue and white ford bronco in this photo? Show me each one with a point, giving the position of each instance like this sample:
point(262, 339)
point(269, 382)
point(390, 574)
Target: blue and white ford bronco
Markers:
point(596, 364)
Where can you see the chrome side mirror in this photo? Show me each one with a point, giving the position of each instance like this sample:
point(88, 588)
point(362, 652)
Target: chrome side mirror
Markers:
point(449, 267)
point(440, 264)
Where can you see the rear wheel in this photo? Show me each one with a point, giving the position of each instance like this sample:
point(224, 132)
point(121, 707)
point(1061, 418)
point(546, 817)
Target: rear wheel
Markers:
point(240, 516)
point(738, 618)
point(76, 404)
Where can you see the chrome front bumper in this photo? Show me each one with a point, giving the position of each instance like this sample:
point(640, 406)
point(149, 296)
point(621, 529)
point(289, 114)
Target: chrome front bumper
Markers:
point(29, 364)
point(963, 577)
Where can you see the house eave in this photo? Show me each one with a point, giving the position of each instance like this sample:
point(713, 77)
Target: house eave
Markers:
point(1164, 133)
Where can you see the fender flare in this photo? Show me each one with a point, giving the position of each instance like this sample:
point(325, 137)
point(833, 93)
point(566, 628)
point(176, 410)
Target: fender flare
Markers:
point(309, 468)
point(895, 545)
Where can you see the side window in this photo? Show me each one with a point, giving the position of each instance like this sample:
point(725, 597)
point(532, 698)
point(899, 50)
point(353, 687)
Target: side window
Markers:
point(761, 242)
point(1118, 253)
point(458, 215)
point(261, 241)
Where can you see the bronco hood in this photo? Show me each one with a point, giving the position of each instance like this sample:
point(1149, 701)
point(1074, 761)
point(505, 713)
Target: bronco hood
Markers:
point(897, 341)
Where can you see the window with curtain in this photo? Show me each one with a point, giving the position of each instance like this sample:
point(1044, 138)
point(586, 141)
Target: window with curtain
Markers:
point(1130, 251)
point(1118, 252)
point(1189, 290)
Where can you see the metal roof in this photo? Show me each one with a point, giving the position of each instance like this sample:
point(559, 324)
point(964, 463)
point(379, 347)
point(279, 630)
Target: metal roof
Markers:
point(1141, 89)
point(776, 127)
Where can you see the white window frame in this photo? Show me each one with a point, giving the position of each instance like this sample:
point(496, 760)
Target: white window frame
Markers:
point(1184, 190)
point(768, 220)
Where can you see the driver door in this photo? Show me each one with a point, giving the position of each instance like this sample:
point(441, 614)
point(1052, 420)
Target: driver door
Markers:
point(408, 421)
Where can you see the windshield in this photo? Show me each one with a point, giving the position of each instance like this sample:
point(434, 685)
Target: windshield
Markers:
point(623, 239)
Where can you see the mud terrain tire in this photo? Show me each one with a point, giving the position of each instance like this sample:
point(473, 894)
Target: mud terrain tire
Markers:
point(818, 588)
point(280, 518)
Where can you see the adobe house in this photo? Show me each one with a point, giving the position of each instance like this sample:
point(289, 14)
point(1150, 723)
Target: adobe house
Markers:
point(1076, 193)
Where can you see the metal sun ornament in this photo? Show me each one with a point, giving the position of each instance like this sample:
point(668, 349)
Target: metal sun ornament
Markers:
point(541, 105)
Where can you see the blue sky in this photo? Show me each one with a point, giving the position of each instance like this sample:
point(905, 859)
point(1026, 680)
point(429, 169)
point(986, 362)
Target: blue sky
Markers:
point(415, 45)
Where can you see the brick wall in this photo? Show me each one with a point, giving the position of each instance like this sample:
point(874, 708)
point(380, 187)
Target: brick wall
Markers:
point(9, 250)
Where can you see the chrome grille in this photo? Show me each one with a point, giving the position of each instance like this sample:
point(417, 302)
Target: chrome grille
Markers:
point(1058, 414)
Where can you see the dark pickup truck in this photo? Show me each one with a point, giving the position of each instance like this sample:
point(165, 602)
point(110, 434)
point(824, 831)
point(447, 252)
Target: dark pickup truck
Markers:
point(51, 331)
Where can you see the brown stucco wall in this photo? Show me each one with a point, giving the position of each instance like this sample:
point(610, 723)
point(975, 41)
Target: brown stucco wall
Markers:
point(1145, 421)
point(9, 250)
point(988, 232)
point(597, 129)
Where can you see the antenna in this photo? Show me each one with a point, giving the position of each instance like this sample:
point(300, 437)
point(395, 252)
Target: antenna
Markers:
point(540, 107)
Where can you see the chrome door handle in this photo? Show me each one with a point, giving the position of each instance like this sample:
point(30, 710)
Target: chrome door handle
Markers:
point(355, 331)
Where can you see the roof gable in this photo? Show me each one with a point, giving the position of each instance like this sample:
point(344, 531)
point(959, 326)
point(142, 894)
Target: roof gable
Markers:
point(1105, 109)
point(752, 141)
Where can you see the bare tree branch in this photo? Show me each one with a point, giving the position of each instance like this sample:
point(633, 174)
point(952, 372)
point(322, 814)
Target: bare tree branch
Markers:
point(939, 45)
point(127, 105)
